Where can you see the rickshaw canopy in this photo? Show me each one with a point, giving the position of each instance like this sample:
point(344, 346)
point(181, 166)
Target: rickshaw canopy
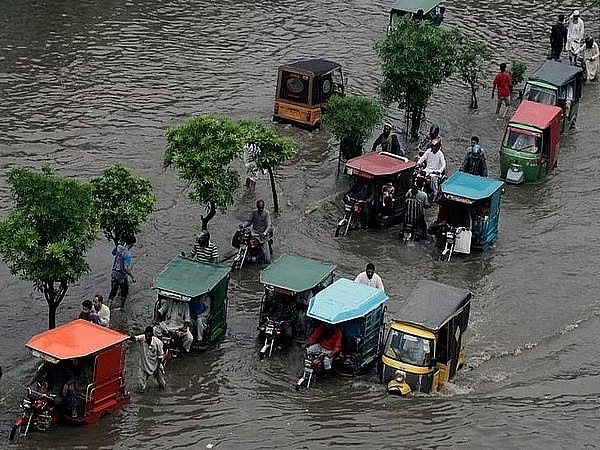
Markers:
point(316, 66)
point(75, 339)
point(345, 300)
point(413, 6)
point(555, 73)
point(189, 278)
point(472, 187)
point(432, 304)
point(296, 273)
point(375, 164)
point(538, 115)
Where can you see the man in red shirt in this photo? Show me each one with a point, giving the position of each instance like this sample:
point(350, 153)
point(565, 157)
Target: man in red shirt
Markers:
point(502, 81)
point(325, 339)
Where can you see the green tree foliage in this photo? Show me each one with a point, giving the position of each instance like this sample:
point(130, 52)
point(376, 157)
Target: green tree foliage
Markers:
point(416, 56)
point(46, 236)
point(201, 151)
point(274, 150)
point(517, 72)
point(351, 119)
point(122, 201)
point(471, 57)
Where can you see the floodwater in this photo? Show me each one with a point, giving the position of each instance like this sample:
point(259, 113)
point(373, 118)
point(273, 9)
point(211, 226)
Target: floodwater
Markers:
point(86, 84)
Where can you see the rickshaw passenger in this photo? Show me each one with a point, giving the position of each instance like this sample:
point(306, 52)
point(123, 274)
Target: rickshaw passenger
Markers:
point(176, 320)
point(325, 339)
point(284, 310)
point(60, 378)
point(302, 300)
point(352, 332)
point(200, 312)
point(565, 94)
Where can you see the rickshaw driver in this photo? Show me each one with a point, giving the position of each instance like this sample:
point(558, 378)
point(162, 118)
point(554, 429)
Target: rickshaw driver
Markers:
point(435, 163)
point(260, 221)
point(326, 339)
point(60, 379)
point(176, 320)
point(284, 310)
point(388, 141)
point(363, 191)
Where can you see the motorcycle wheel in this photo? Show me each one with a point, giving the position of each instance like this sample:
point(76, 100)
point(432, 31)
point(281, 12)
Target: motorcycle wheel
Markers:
point(337, 230)
point(15, 432)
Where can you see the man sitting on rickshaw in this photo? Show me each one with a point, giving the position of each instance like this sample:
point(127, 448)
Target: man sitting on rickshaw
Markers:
point(60, 381)
point(327, 340)
point(175, 321)
point(200, 312)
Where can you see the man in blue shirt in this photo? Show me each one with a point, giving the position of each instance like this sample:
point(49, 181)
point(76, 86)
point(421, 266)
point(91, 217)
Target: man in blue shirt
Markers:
point(121, 269)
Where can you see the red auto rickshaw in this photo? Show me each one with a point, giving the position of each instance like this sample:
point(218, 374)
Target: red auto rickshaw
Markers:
point(95, 357)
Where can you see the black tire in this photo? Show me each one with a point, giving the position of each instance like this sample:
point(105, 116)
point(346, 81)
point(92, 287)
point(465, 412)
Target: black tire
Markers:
point(337, 230)
point(15, 432)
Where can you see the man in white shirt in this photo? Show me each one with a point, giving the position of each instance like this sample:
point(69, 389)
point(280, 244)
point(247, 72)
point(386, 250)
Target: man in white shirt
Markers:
point(102, 311)
point(436, 163)
point(152, 357)
point(370, 278)
point(575, 33)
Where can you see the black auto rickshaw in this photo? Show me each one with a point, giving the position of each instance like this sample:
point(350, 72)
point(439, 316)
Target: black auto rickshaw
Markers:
point(425, 345)
point(401, 8)
point(290, 282)
point(303, 88)
point(380, 181)
point(200, 290)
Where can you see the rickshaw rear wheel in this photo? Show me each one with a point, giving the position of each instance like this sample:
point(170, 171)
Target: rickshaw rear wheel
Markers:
point(15, 432)
point(337, 230)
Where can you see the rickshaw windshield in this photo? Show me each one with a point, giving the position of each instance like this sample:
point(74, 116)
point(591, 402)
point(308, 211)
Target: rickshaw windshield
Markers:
point(408, 348)
point(540, 94)
point(522, 140)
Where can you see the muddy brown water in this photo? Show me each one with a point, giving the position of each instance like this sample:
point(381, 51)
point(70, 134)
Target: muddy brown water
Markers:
point(85, 84)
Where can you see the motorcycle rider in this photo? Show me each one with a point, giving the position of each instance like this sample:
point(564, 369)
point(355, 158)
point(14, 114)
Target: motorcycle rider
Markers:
point(260, 220)
point(435, 163)
point(325, 339)
point(60, 379)
point(388, 141)
point(575, 34)
point(590, 54)
point(284, 310)
point(474, 162)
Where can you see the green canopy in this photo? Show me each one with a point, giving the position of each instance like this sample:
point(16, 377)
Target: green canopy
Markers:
point(413, 6)
point(296, 273)
point(188, 277)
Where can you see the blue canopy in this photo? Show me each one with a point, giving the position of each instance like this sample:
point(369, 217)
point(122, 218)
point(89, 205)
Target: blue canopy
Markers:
point(345, 300)
point(472, 187)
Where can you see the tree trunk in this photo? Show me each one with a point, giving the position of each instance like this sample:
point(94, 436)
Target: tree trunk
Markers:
point(212, 210)
point(474, 104)
point(54, 298)
point(273, 189)
point(416, 115)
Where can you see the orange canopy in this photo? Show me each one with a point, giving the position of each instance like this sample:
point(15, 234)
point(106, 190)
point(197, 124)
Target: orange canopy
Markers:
point(74, 340)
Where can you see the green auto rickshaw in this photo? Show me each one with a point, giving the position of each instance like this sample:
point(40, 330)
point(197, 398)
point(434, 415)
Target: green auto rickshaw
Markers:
point(290, 282)
point(557, 84)
point(193, 293)
point(425, 345)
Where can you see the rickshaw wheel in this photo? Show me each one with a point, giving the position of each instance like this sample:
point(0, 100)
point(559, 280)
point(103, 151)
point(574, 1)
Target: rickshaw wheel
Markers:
point(337, 230)
point(15, 432)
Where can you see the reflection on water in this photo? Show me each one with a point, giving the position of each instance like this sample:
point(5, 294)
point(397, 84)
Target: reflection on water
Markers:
point(88, 83)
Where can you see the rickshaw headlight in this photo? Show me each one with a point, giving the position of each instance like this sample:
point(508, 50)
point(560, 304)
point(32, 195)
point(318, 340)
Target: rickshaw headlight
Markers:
point(400, 376)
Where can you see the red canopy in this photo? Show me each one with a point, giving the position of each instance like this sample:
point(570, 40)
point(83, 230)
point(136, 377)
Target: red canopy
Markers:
point(74, 340)
point(375, 164)
point(535, 114)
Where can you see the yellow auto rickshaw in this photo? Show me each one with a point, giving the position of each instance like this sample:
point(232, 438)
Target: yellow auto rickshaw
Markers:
point(303, 88)
point(426, 344)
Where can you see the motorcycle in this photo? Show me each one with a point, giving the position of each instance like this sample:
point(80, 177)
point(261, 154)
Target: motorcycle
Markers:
point(39, 412)
point(422, 178)
point(313, 364)
point(273, 331)
point(576, 53)
point(353, 210)
point(450, 235)
point(250, 247)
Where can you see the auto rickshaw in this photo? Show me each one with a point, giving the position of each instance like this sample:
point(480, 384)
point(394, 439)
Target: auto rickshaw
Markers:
point(290, 282)
point(203, 288)
point(303, 89)
point(355, 310)
point(555, 83)
point(380, 181)
point(530, 146)
point(425, 345)
point(468, 215)
point(95, 356)
point(402, 7)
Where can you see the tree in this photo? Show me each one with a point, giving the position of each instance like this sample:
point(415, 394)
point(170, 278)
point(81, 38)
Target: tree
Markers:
point(273, 150)
point(471, 58)
point(416, 56)
point(46, 236)
point(201, 151)
point(351, 120)
point(122, 201)
point(517, 72)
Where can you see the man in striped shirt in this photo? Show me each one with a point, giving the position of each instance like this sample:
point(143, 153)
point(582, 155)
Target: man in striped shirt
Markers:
point(204, 249)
